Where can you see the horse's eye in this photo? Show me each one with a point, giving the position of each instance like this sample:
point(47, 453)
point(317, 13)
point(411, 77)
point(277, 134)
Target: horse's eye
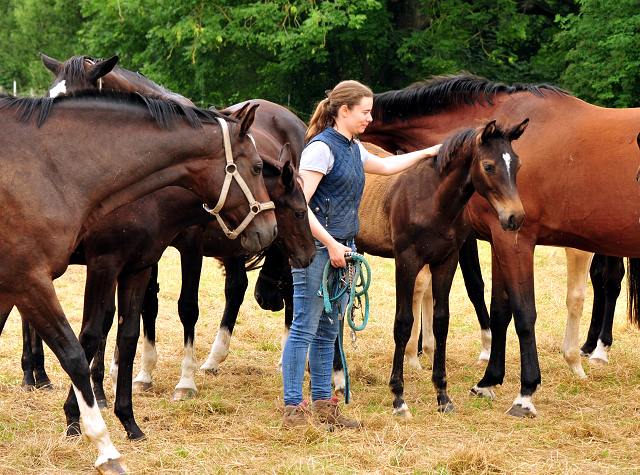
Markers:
point(489, 168)
point(257, 169)
point(299, 214)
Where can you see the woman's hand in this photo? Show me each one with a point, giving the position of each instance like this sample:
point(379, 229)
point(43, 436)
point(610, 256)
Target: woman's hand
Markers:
point(336, 254)
point(432, 151)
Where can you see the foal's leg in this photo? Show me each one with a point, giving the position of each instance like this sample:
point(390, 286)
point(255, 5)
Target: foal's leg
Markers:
point(596, 271)
point(131, 289)
point(442, 279)
point(40, 374)
point(422, 286)
point(578, 263)
point(613, 274)
point(39, 305)
point(236, 284)
point(27, 360)
point(472, 275)
point(149, 358)
point(191, 261)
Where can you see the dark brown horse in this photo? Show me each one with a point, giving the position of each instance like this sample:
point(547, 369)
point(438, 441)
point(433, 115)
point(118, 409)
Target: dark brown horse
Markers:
point(85, 157)
point(577, 185)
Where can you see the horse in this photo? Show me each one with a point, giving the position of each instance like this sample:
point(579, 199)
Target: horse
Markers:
point(86, 156)
point(588, 148)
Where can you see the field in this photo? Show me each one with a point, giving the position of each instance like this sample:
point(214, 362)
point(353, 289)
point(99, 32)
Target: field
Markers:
point(590, 426)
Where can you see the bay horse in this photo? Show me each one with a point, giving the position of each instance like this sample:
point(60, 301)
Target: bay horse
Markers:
point(419, 217)
point(589, 203)
point(85, 157)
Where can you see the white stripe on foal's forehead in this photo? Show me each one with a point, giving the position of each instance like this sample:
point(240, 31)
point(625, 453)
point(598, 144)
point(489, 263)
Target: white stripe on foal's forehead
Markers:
point(58, 89)
point(254, 142)
point(507, 161)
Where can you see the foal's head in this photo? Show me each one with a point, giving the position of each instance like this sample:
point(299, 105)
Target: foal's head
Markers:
point(77, 73)
point(494, 167)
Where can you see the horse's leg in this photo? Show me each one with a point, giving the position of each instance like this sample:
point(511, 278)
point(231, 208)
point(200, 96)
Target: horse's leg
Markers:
point(99, 291)
point(578, 263)
point(596, 271)
point(613, 275)
point(236, 284)
point(97, 365)
point(428, 344)
point(39, 305)
point(191, 262)
point(39, 372)
point(423, 282)
point(149, 358)
point(27, 360)
point(472, 274)
point(499, 322)
point(131, 289)
point(407, 269)
point(442, 279)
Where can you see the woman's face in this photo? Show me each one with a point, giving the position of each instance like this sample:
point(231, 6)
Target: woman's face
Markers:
point(356, 119)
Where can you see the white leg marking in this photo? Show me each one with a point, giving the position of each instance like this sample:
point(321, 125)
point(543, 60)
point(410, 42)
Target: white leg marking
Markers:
point(578, 263)
point(283, 341)
point(219, 350)
point(507, 161)
point(339, 381)
point(403, 410)
point(525, 403)
point(601, 352)
point(485, 392)
point(189, 366)
point(148, 362)
point(94, 428)
point(485, 354)
point(59, 88)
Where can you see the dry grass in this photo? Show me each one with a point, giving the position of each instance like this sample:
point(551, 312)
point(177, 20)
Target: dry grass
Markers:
point(587, 426)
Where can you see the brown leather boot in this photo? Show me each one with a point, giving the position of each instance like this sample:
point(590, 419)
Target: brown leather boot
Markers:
point(328, 411)
point(301, 416)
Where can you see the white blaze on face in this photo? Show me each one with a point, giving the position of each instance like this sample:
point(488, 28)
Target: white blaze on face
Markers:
point(58, 89)
point(507, 161)
point(252, 139)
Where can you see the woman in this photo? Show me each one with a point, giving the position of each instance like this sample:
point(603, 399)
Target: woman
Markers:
point(332, 166)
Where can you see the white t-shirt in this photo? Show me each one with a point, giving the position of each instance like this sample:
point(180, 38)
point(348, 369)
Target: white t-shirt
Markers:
point(318, 157)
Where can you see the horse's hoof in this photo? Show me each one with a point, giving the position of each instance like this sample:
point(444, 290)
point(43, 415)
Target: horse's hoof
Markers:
point(102, 403)
point(584, 353)
point(519, 411)
point(414, 363)
point(28, 388)
point(482, 362)
point(483, 392)
point(46, 385)
point(447, 408)
point(211, 371)
point(182, 394)
point(141, 387)
point(402, 411)
point(598, 361)
point(113, 467)
point(137, 437)
point(73, 430)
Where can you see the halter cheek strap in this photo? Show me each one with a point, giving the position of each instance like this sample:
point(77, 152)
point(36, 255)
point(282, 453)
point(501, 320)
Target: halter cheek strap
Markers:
point(232, 172)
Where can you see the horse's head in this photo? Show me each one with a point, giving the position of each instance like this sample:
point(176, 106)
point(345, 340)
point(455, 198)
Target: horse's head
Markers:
point(78, 73)
point(243, 200)
point(274, 282)
point(494, 172)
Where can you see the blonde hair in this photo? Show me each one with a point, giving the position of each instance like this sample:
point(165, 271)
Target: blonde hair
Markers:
point(348, 93)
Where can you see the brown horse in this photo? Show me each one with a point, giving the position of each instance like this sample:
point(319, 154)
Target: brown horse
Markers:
point(419, 218)
point(87, 156)
point(577, 185)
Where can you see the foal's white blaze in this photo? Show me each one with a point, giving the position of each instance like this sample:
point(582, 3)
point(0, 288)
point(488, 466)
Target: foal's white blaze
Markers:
point(485, 337)
point(94, 428)
point(148, 362)
point(283, 341)
point(219, 350)
point(525, 403)
point(189, 366)
point(507, 161)
point(601, 352)
point(58, 89)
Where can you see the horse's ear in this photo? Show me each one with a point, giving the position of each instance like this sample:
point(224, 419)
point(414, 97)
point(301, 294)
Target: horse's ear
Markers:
point(240, 112)
point(285, 153)
point(247, 120)
point(488, 132)
point(102, 68)
point(50, 63)
point(517, 131)
point(288, 172)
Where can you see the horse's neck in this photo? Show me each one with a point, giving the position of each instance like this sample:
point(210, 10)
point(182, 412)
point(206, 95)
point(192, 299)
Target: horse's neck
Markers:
point(455, 188)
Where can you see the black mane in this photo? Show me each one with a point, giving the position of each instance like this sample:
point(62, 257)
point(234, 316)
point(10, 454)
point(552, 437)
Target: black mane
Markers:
point(456, 143)
point(434, 95)
point(73, 68)
point(164, 111)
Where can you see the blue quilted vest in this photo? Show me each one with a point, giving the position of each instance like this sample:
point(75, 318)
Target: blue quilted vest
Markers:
point(337, 197)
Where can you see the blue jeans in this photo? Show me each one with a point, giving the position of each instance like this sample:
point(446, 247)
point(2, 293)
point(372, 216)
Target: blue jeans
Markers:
point(312, 332)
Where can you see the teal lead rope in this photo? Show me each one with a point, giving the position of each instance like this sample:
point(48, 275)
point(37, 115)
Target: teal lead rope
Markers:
point(352, 279)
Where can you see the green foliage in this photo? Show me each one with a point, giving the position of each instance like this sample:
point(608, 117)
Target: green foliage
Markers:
point(602, 45)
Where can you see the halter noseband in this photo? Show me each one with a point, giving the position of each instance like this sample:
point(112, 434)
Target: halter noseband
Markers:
point(232, 172)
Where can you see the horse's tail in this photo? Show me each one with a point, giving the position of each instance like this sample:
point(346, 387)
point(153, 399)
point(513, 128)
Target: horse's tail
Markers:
point(633, 291)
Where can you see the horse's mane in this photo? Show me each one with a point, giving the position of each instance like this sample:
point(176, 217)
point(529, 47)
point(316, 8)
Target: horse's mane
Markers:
point(456, 143)
point(163, 111)
point(73, 68)
point(440, 92)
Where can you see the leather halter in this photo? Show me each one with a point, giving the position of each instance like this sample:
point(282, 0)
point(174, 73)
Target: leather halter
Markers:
point(232, 172)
